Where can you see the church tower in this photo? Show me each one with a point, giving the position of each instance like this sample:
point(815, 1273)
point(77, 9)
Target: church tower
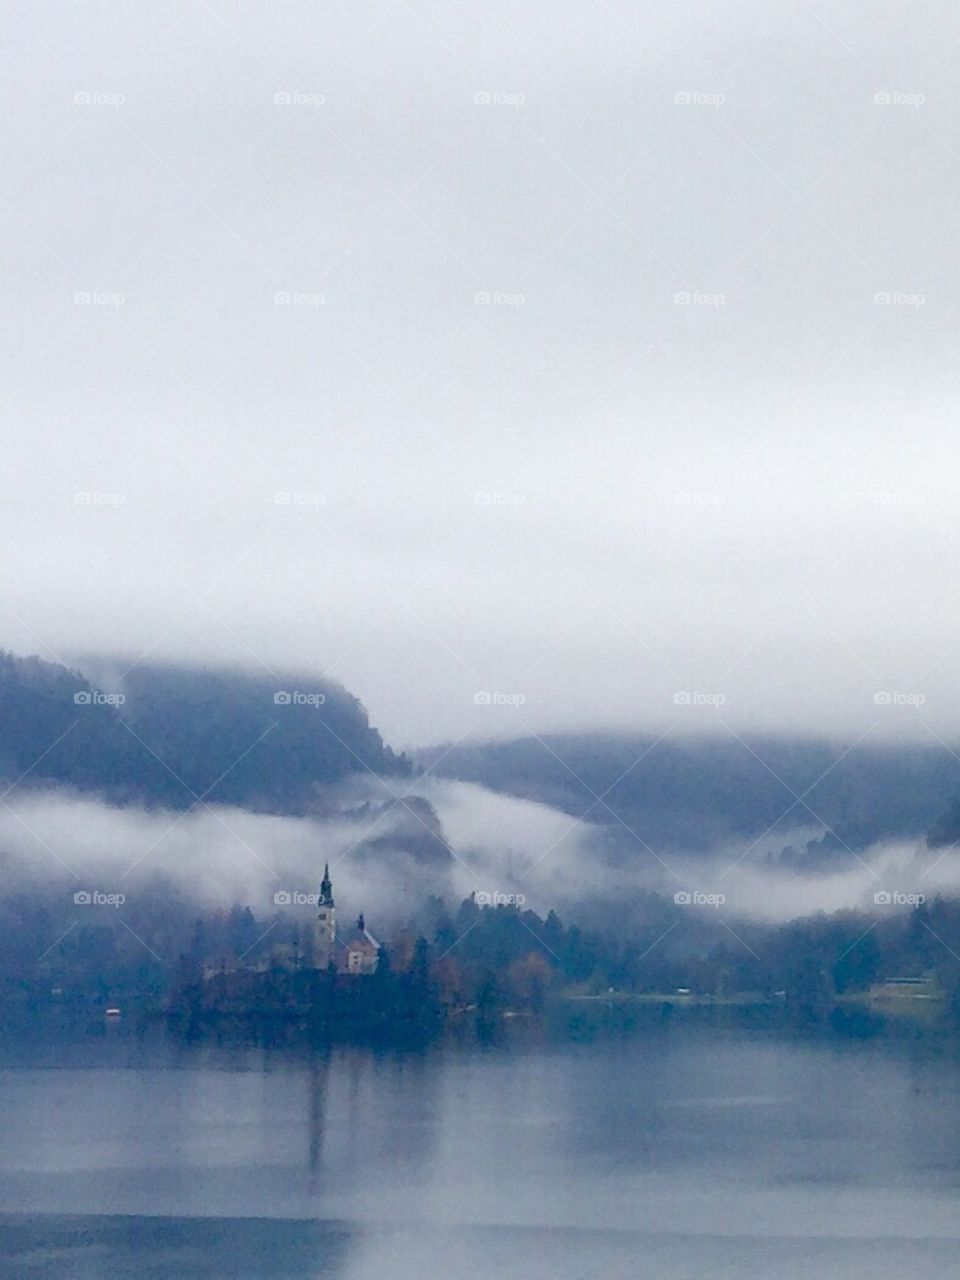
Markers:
point(325, 929)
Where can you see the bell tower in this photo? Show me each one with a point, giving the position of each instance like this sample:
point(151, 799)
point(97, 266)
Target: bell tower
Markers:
point(325, 929)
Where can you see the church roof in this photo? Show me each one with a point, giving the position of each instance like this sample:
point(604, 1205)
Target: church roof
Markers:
point(361, 939)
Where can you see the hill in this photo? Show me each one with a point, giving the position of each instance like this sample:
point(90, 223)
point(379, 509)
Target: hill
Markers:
point(170, 734)
point(692, 793)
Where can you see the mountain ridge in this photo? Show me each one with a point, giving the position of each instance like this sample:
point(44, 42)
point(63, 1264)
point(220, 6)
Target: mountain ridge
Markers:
point(696, 791)
point(171, 734)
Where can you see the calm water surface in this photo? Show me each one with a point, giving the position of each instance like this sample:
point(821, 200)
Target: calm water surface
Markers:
point(683, 1152)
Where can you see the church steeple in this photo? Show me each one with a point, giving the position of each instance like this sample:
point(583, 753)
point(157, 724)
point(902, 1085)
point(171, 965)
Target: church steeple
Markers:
point(326, 887)
point(325, 925)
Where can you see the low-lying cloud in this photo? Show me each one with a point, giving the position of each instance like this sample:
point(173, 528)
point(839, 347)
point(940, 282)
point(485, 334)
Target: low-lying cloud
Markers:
point(500, 847)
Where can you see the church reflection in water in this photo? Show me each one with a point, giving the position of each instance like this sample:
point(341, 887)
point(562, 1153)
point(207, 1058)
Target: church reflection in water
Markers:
point(317, 1081)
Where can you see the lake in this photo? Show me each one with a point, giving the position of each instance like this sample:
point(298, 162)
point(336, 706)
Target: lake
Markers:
point(676, 1152)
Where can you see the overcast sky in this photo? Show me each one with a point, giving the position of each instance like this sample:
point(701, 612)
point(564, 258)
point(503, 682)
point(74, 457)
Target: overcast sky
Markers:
point(589, 354)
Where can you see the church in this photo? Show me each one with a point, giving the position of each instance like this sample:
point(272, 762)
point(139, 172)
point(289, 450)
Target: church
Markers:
point(356, 952)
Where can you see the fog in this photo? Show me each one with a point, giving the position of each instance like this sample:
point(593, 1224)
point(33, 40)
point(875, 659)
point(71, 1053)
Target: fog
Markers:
point(501, 849)
point(591, 354)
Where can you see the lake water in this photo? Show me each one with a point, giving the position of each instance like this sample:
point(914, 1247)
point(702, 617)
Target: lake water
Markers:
point(677, 1153)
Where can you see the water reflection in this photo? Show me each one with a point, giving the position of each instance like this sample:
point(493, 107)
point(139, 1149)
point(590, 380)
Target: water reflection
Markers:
point(316, 1079)
point(688, 1147)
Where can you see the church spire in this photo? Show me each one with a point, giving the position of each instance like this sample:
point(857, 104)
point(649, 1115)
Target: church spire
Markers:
point(326, 887)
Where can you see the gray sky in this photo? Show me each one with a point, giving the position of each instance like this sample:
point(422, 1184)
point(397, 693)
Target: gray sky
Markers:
point(700, 439)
